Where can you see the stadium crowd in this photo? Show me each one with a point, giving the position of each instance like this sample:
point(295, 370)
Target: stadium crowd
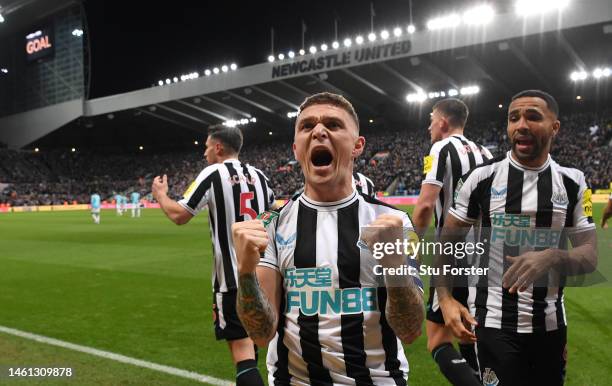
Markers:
point(392, 159)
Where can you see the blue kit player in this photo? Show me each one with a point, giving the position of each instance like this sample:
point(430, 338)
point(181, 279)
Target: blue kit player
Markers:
point(95, 207)
point(135, 197)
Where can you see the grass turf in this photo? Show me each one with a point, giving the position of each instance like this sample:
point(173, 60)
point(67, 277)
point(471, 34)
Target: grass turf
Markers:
point(141, 288)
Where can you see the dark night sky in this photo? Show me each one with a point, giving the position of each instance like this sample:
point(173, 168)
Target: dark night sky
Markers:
point(136, 43)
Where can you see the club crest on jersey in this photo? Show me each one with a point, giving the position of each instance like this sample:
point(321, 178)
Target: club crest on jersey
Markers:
point(559, 198)
point(285, 243)
point(489, 378)
point(498, 193)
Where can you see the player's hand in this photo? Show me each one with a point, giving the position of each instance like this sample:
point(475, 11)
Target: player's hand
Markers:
point(250, 240)
point(387, 228)
point(604, 225)
point(160, 186)
point(527, 268)
point(458, 319)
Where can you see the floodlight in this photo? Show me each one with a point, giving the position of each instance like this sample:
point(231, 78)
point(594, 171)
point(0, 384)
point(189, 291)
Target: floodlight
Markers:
point(480, 15)
point(598, 73)
point(448, 21)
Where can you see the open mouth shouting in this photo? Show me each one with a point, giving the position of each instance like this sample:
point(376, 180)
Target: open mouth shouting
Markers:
point(321, 158)
point(525, 143)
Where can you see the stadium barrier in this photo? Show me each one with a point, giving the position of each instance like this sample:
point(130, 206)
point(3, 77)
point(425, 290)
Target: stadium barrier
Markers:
point(391, 200)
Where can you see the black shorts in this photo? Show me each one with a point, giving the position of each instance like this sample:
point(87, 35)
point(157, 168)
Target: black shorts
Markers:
point(225, 317)
point(516, 359)
point(434, 313)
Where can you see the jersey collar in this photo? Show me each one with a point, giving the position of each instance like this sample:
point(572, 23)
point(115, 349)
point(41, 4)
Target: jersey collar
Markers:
point(329, 206)
point(517, 165)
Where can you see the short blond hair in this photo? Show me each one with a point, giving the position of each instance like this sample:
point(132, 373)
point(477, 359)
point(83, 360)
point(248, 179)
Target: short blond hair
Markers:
point(328, 98)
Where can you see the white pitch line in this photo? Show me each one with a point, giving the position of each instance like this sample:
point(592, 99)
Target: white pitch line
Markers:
point(118, 357)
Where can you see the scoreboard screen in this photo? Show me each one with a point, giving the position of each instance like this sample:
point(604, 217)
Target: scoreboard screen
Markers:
point(39, 44)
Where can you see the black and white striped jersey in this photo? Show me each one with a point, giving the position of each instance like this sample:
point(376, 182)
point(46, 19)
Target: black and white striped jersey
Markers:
point(332, 327)
point(514, 204)
point(233, 192)
point(363, 184)
point(447, 161)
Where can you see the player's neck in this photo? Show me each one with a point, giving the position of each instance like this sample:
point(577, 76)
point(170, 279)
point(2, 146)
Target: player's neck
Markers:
point(328, 192)
point(222, 159)
point(533, 163)
point(451, 132)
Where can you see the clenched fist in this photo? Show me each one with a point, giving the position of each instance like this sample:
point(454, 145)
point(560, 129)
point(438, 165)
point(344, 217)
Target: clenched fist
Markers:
point(160, 187)
point(250, 240)
point(387, 228)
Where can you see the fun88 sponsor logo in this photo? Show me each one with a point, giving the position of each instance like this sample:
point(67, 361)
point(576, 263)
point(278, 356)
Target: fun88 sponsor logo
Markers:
point(310, 291)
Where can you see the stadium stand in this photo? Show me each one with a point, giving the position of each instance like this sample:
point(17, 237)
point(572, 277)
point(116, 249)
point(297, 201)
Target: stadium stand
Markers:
point(393, 160)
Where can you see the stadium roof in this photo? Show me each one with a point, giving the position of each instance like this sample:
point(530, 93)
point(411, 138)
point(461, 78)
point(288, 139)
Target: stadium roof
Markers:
point(22, 14)
point(502, 58)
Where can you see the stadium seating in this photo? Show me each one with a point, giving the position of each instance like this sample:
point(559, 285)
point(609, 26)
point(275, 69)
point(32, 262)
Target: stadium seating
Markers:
point(57, 176)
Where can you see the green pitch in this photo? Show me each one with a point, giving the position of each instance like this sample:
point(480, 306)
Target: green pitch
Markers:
point(141, 288)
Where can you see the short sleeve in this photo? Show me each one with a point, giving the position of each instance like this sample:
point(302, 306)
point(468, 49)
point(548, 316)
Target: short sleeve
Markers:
point(197, 194)
point(434, 164)
point(582, 216)
point(466, 200)
point(270, 257)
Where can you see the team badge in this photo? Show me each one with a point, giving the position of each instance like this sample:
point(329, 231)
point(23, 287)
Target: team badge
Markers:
point(489, 378)
point(559, 198)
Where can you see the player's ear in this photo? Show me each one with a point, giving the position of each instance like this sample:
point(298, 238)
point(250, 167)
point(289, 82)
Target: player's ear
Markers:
point(444, 125)
point(358, 147)
point(294, 150)
point(555, 128)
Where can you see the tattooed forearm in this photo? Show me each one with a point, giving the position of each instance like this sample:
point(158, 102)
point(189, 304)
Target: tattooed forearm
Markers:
point(404, 312)
point(254, 310)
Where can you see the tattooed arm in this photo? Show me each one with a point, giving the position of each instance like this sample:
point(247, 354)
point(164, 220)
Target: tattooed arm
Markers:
point(258, 304)
point(404, 308)
point(404, 311)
